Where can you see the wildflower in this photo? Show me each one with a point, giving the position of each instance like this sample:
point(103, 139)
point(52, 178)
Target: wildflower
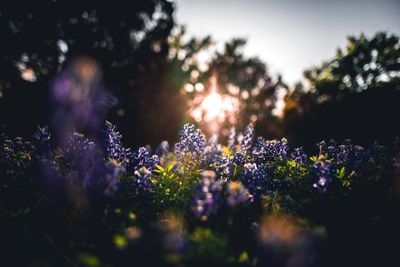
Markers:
point(223, 167)
point(141, 183)
point(207, 194)
point(248, 139)
point(299, 156)
point(143, 158)
point(329, 150)
point(231, 139)
point(163, 149)
point(191, 140)
point(264, 151)
point(254, 178)
point(238, 159)
point(323, 173)
point(113, 147)
point(84, 155)
point(212, 152)
point(42, 139)
point(112, 170)
point(237, 194)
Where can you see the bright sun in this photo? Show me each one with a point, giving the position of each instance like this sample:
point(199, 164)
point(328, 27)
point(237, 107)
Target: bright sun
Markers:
point(214, 108)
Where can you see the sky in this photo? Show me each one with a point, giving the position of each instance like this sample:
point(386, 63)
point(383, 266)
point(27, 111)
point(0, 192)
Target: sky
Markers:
point(288, 35)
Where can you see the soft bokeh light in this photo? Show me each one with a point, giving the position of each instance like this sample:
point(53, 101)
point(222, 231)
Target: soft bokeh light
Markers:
point(213, 108)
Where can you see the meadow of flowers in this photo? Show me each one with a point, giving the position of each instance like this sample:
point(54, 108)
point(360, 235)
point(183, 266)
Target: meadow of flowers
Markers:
point(248, 202)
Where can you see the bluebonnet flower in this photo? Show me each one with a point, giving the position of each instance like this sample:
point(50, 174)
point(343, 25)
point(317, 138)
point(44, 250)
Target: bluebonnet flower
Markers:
point(113, 147)
point(212, 151)
point(141, 183)
point(238, 159)
point(163, 149)
point(254, 178)
point(223, 167)
point(143, 158)
point(138, 184)
point(112, 171)
point(323, 173)
point(237, 194)
point(78, 99)
point(299, 156)
point(264, 151)
point(207, 194)
point(80, 147)
point(42, 134)
point(42, 140)
point(246, 142)
point(344, 152)
point(351, 156)
point(191, 145)
point(347, 155)
point(329, 149)
point(231, 139)
point(87, 158)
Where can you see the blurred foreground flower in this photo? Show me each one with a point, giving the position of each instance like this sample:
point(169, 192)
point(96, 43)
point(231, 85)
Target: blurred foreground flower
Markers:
point(284, 242)
point(207, 194)
point(80, 101)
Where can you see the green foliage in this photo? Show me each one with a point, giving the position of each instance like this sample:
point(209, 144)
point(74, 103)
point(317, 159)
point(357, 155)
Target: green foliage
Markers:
point(345, 179)
point(210, 245)
point(173, 190)
point(88, 260)
point(364, 63)
point(289, 169)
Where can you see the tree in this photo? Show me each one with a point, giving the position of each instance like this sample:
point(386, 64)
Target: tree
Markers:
point(226, 88)
point(354, 95)
point(128, 39)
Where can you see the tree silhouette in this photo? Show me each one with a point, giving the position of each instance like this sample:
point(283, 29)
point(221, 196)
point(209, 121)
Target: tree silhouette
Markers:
point(127, 40)
point(355, 95)
point(237, 78)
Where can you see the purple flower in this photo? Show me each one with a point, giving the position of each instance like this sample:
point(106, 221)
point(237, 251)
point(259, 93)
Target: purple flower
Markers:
point(143, 158)
point(264, 151)
point(113, 147)
point(191, 143)
point(207, 194)
point(248, 139)
point(323, 172)
point(232, 139)
point(42, 139)
point(85, 157)
point(112, 171)
point(212, 152)
point(223, 167)
point(141, 183)
point(80, 101)
point(238, 159)
point(299, 156)
point(237, 194)
point(163, 149)
point(254, 178)
point(329, 149)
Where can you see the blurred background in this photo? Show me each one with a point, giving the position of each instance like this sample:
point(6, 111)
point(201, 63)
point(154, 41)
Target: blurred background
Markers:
point(306, 70)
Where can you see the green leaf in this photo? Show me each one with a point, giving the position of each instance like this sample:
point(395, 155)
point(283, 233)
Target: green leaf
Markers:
point(244, 257)
point(340, 173)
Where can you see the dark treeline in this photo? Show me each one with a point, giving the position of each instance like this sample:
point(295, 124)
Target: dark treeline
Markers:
point(145, 64)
